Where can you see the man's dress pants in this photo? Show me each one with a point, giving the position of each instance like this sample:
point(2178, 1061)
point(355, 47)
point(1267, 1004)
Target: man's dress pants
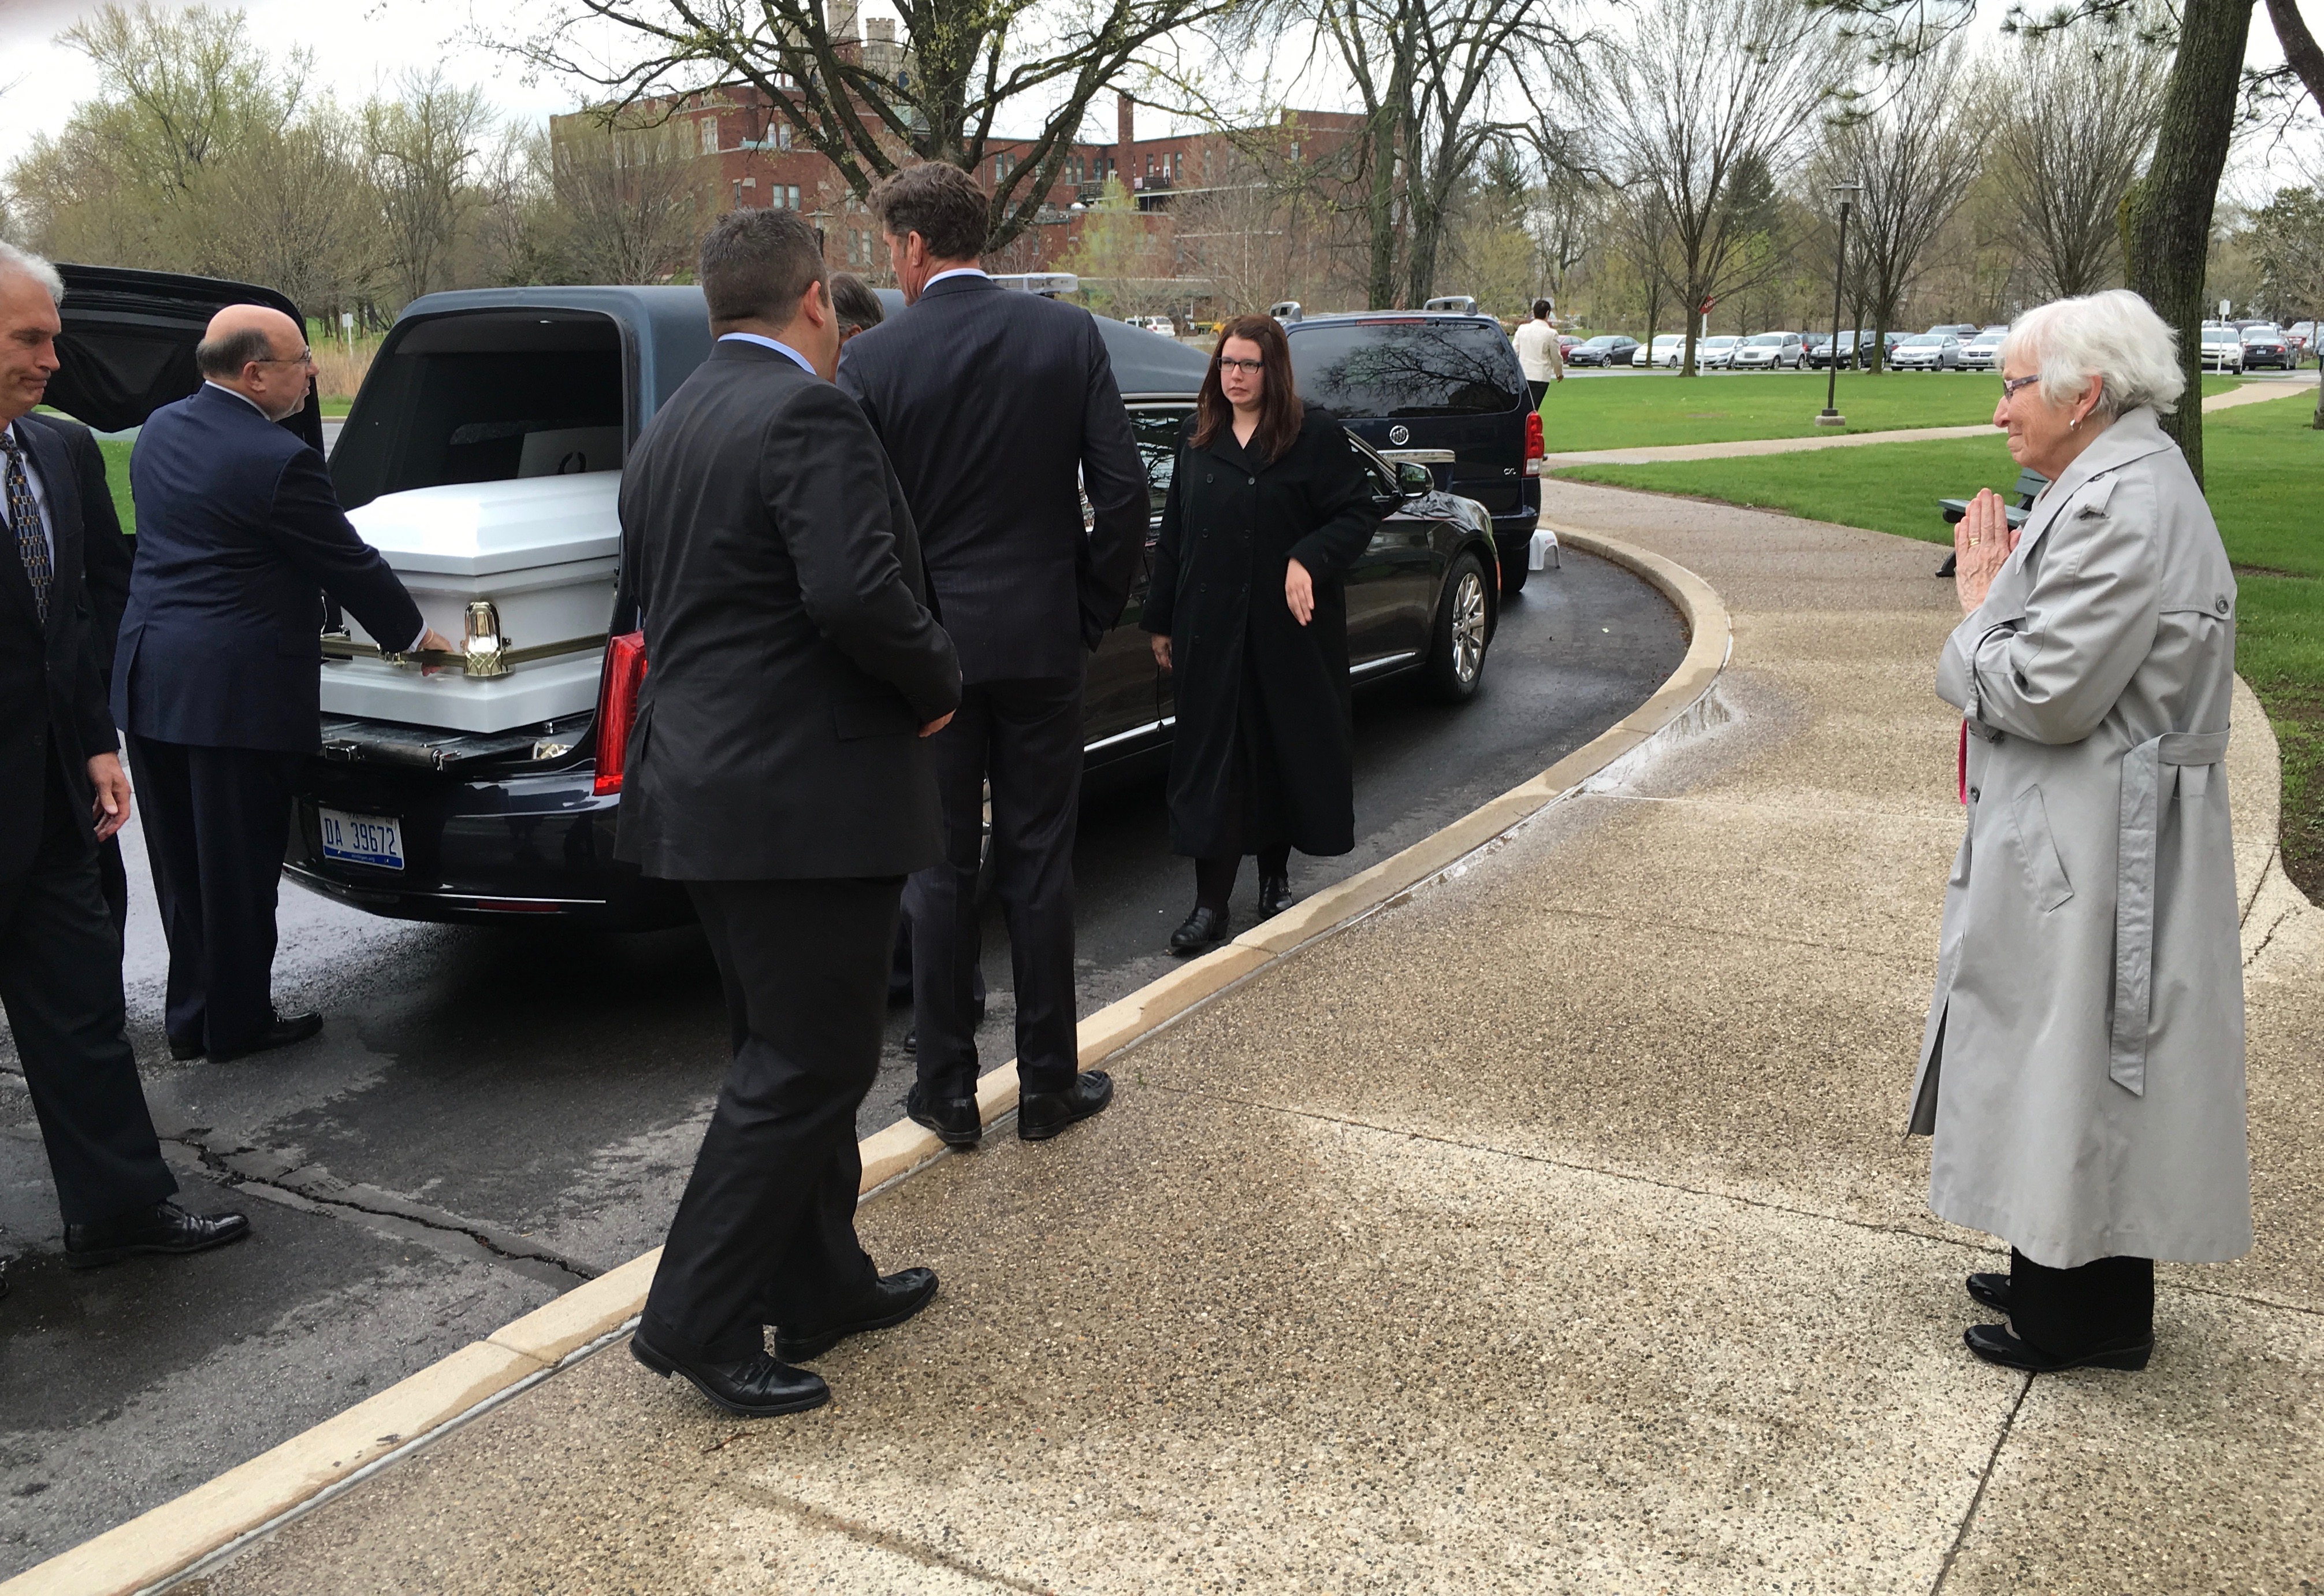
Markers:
point(217, 823)
point(1025, 738)
point(765, 1233)
point(60, 983)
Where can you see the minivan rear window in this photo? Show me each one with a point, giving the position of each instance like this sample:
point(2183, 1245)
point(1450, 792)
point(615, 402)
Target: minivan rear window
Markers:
point(486, 396)
point(1408, 368)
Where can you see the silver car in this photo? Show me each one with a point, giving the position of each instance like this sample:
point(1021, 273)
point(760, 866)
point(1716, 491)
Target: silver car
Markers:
point(1983, 352)
point(1927, 351)
point(1767, 351)
point(2223, 347)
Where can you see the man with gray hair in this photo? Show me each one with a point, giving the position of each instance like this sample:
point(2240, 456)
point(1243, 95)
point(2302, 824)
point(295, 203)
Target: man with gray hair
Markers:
point(61, 794)
point(218, 677)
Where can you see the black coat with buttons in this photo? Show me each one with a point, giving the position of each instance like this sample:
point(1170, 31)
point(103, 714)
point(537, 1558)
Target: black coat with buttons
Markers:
point(1231, 524)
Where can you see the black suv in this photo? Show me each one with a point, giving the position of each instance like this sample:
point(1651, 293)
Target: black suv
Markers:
point(1445, 390)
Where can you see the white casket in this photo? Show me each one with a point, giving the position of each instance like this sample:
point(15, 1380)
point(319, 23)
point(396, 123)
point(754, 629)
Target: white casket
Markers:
point(541, 549)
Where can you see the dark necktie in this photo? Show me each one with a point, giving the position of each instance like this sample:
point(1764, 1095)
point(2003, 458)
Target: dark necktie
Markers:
point(24, 516)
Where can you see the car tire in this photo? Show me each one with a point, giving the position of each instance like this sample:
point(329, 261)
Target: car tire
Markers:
point(1463, 631)
point(1515, 569)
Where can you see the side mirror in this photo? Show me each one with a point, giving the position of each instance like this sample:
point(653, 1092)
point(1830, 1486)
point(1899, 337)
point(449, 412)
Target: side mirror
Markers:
point(1414, 479)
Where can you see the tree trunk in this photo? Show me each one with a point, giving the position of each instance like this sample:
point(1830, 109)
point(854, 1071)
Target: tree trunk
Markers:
point(2166, 217)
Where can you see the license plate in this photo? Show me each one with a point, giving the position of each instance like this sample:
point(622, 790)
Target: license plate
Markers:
point(376, 840)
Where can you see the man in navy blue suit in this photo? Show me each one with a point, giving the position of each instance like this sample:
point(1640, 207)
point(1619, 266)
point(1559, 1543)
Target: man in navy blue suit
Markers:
point(216, 677)
point(61, 794)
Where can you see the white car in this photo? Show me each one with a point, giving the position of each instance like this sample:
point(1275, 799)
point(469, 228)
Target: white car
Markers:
point(1926, 352)
point(1667, 349)
point(1767, 351)
point(1983, 352)
point(1712, 354)
point(2223, 346)
point(1156, 324)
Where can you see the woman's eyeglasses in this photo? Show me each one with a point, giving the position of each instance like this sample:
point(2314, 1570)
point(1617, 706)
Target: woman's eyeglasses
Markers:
point(1248, 368)
point(2010, 385)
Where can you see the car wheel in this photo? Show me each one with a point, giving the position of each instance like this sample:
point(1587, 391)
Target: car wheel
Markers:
point(1465, 626)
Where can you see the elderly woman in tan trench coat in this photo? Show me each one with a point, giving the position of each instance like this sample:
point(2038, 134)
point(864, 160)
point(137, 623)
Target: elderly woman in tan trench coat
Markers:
point(2082, 1071)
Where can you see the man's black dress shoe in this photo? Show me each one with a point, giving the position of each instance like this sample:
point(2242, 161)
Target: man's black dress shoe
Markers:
point(1042, 1114)
point(182, 1048)
point(896, 1298)
point(1274, 896)
point(954, 1120)
point(163, 1228)
point(286, 1029)
point(756, 1388)
point(1202, 928)
point(1992, 1290)
point(1994, 1344)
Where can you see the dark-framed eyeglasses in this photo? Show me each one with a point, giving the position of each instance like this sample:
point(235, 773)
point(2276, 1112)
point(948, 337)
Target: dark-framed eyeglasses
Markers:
point(1248, 368)
point(304, 357)
point(2011, 385)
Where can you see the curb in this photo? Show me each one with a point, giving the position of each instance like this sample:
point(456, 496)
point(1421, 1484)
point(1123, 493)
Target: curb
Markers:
point(213, 1520)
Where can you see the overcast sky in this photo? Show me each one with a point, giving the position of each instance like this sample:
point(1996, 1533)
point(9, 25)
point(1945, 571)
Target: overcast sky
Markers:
point(362, 45)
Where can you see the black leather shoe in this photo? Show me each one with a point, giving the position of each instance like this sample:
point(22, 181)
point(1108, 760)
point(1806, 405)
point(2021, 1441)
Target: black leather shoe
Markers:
point(896, 1298)
point(163, 1228)
point(954, 1120)
point(1274, 896)
point(1992, 1290)
point(1042, 1114)
point(1994, 1344)
point(182, 1048)
point(286, 1029)
point(1203, 928)
point(756, 1388)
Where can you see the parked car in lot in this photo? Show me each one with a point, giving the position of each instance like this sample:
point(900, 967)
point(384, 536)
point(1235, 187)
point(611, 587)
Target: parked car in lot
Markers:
point(1157, 323)
point(1983, 352)
point(2266, 346)
point(2223, 347)
point(2301, 336)
point(482, 457)
point(1927, 351)
point(1605, 349)
point(1445, 391)
point(1712, 354)
point(1958, 329)
point(1767, 352)
point(1664, 351)
point(1852, 346)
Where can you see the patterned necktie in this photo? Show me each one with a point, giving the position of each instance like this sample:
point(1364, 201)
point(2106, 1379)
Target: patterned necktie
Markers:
point(24, 516)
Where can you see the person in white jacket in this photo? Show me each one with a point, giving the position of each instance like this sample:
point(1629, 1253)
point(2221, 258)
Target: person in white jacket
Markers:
point(1538, 351)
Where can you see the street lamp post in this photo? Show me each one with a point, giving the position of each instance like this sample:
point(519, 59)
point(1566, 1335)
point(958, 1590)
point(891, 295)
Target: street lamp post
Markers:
point(1831, 416)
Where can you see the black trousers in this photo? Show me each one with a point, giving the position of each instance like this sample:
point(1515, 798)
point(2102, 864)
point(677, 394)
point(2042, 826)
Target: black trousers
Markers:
point(217, 823)
point(2107, 1302)
point(766, 1232)
point(1025, 737)
point(1538, 390)
point(60, 983)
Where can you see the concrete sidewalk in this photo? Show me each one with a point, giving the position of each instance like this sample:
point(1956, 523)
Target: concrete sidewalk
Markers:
point(2252, 393)
point(1550, 1230)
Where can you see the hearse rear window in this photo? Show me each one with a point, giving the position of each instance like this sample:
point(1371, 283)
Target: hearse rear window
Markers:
point(486, 398)
point(1408, 368)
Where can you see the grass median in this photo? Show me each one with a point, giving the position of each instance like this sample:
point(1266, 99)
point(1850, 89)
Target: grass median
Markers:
point(2264, 463)
point(1727, 407)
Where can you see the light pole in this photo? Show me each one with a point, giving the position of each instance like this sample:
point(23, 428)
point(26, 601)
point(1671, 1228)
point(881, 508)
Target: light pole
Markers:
point(1831, 416)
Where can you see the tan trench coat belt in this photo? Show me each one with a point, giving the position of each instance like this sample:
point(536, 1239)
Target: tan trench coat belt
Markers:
point(2188, 756)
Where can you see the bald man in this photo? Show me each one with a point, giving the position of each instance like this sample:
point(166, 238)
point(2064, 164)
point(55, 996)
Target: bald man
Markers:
point(216, 678)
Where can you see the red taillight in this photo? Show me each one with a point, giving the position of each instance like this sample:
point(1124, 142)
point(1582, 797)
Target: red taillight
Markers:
point(1534, 448)
point(617, 706)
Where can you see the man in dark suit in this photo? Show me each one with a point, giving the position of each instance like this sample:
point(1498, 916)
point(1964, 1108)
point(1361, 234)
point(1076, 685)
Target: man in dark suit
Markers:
point(217, 678)
point(62, 792)
point(777, 769)
point(1000, 411)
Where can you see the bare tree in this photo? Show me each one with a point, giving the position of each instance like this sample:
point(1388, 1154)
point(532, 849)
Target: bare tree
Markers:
point(2080, 117)
point(1234, 234)
point(1700, 87)
point(964, 67)
point(630, 201)
point(1914, 154)
point(422, 146)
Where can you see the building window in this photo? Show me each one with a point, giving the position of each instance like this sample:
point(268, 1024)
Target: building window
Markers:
point(1149, 166)
point(783, 136)
point(738, 192)
point(1294, 149)
point(710, 136)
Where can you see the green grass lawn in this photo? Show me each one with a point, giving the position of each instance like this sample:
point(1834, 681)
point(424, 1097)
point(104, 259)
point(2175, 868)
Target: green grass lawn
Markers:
point(2265, 469)
point(1725, 406)
point(116, 477)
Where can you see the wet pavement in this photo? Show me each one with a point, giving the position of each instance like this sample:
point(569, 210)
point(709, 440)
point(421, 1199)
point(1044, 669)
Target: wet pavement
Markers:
point(492, 1115)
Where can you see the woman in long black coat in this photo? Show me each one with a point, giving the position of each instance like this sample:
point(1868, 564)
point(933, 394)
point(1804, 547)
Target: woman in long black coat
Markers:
point(1268, 506)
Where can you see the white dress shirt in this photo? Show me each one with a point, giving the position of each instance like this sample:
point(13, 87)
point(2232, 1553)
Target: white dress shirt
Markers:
point(804, 364)
point(39, 494)
point(957, 271)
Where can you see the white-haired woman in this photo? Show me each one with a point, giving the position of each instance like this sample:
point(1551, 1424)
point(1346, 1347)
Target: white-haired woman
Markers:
point(2082, 1071)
